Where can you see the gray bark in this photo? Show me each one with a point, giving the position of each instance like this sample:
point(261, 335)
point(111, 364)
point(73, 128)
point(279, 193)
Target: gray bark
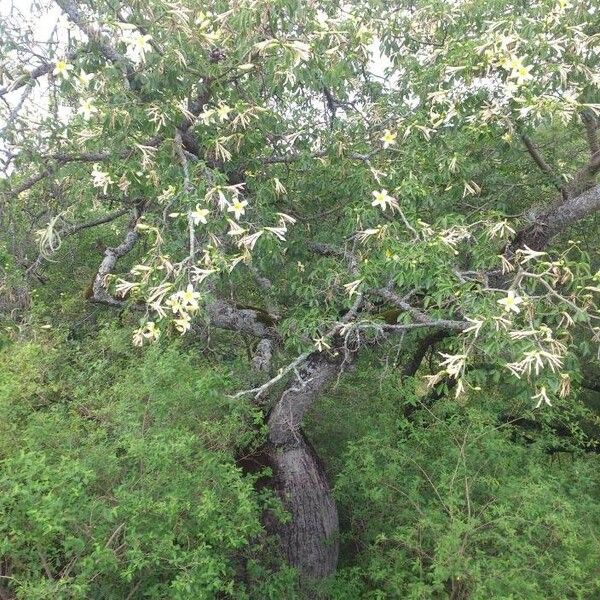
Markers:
point(310, 539)
point(557, 218)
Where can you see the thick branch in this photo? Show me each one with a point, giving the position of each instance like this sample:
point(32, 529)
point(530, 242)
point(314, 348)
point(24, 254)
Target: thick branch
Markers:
point(591, 131)
point(226, 316)
point(111, 255)
point(263, 356)
point(311, 379)
point(557, 218)
point(584, 178)
point(412, 366)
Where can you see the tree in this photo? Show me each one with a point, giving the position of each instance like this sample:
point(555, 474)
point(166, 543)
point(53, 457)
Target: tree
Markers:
point(325, 178)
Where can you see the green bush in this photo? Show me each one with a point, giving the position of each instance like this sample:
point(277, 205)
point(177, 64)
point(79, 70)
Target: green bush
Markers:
point(118, 474)
point(456, 509)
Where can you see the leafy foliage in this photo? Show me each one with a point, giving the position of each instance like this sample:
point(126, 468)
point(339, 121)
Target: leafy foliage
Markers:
point(201, 201)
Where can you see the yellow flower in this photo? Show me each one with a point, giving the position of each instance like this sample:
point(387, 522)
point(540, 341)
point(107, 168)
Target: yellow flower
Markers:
point(223, 112)
point(238, 208)
point(199, 215)
point(138, 45)
point(183, 324)
point(62, 68)
point(174, 303)
point(382, 199)
point(521, 74)
point(149, 332)
point(388, 138)
point(189, 298)
point(87, 109)
point(84, 78)
point(511, 302)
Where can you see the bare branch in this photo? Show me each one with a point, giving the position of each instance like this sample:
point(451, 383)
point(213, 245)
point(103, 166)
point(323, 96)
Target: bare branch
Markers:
point(72, 229)
point(294, 157)
point(557, 218)
point(111, 255)
point(263, 357)
point(542, 164)
point(420, 318)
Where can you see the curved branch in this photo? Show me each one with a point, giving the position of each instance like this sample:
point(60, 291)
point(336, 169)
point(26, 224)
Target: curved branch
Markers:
point(540, 161)
point(111, 255)
point(421, 319)
point(72, 229)
point(412, 366)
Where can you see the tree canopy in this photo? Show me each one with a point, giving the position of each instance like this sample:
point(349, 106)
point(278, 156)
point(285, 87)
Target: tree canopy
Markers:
point(231, 227)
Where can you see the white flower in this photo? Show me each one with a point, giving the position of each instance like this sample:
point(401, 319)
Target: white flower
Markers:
point(235, 229)
point(223, 112)
point(174, 304)
point(522, 74)
point(238, 208)
point(189, 298)
point(511, 302)
point(541, 397)
point(199, 215)
point(321, 344)
point(138, 45)
point(84, 78)
point(101, 178)
point(183, 324)
point(526, 254)
point(279, 187)
point(352, 287)
point(61, 69)
point(148, 332)
point(388, 138)
point(454, 364)
point(501, 229)
point(87, 109)
point(382, 199)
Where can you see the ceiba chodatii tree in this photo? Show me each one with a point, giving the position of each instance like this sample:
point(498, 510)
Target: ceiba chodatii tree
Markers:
point(342, 162)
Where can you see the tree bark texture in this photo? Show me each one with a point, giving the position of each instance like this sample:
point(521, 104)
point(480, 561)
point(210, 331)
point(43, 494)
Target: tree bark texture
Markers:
point(310, 539)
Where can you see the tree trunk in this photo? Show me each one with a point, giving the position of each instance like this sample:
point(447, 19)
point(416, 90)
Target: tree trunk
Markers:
point(310, 539)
